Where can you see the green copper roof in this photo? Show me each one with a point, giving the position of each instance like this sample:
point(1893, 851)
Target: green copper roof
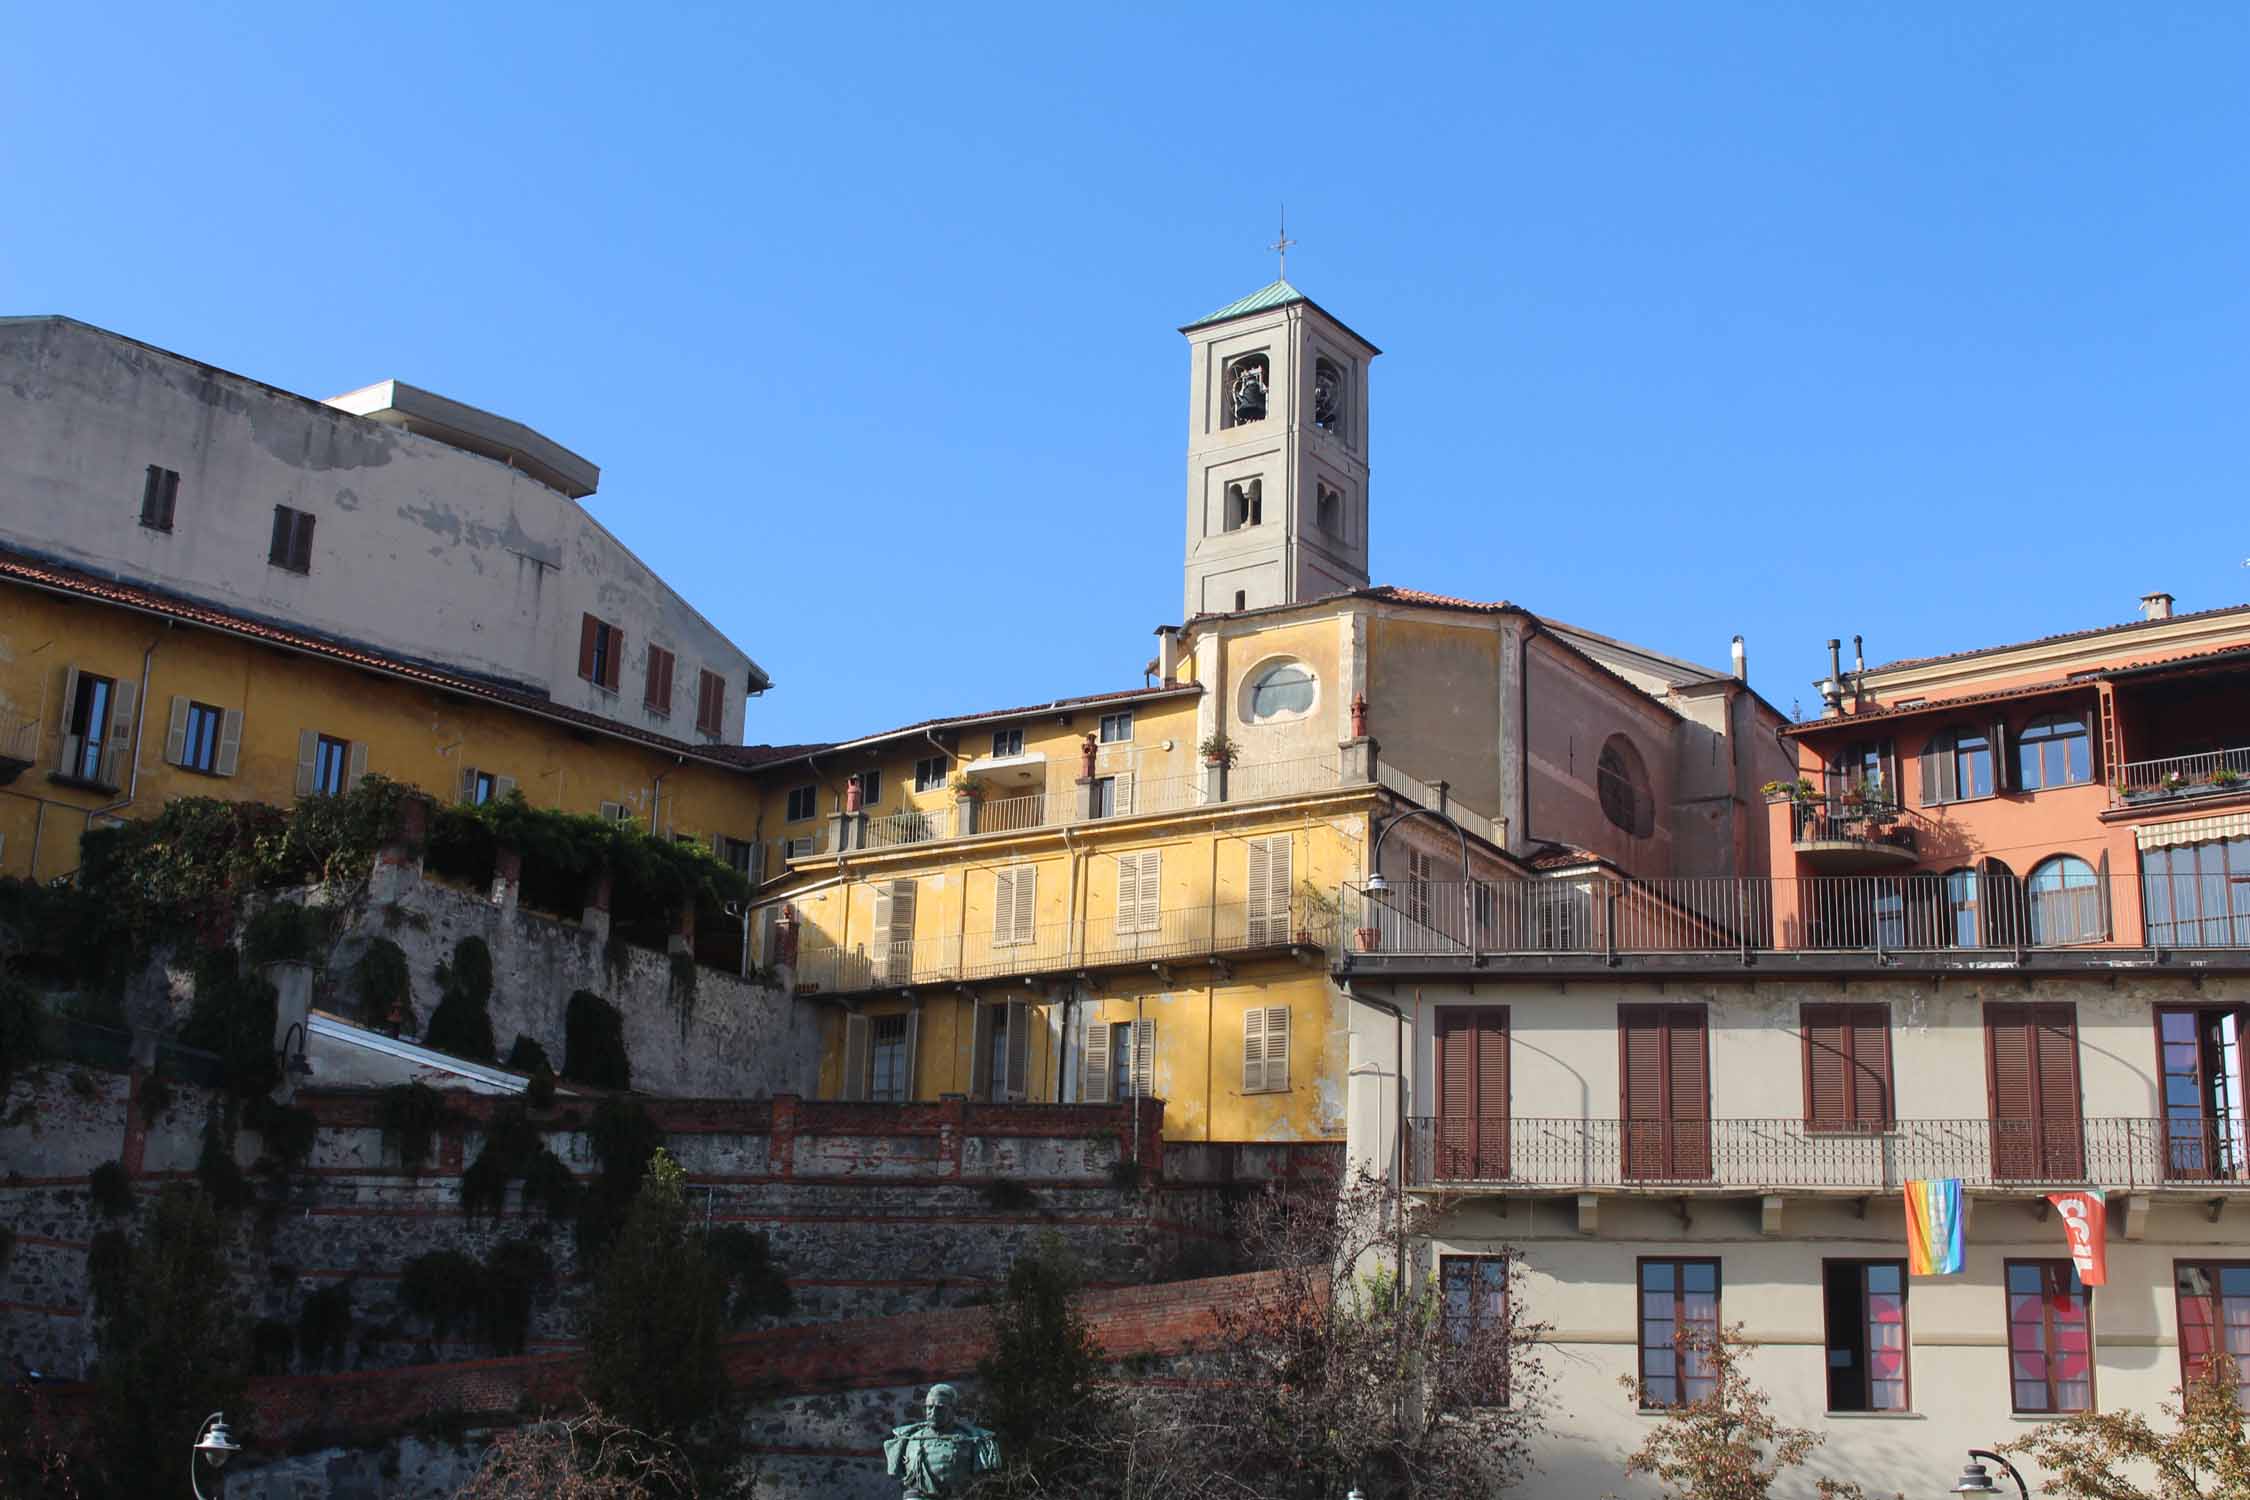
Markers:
point(1264, 299)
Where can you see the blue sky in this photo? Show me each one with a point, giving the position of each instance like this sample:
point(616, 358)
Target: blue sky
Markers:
point(1930, 322)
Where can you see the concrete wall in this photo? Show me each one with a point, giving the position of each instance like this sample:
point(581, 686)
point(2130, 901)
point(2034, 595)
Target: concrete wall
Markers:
point(420, 549)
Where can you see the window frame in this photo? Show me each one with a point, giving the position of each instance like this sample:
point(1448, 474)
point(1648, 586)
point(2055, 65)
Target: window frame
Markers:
point(1456, 1329)
point(88, 721)
point(201, 754)
point(1850, 1123)
point(1006, 743)
point(160, 498)
point(656, 690)
point(811, 803)
point(1123, 717)
point(1631, 779)
point(877, 1040)
point(870, 787)
point(2197, 882)
point(2046, 1265)
point(1863, 1326)
point(290, 547)
point(1262, 674)
point(2058, 731)
point(2217, 1325)
point(2095, 883)
point(605, 654)
point(1679, 1292)
point(931, 772)
point(484, 789)
point(331, 753)
point(2222, 1141)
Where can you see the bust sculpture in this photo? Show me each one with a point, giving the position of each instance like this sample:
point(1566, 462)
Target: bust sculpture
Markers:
point(939, 1456)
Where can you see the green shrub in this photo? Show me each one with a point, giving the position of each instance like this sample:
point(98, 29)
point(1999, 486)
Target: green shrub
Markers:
point(539, 1088)
point(234, 1017)
point(594, 1043)
point(411, 1114)
point(462, 1022)
point(155, 1096)
point(623, 1139)
point(216, 1168)
point(756, 1286)
point(324, 1325)
point(284, 931)
point(271, 1344)
point(442, 1289)
point(513, 1276)
point(111, 1190)
point(384, 985)
point(490, 1301)
point(470, 972)
point(287, 1131)
point(527, 1056)
point(652, 1326)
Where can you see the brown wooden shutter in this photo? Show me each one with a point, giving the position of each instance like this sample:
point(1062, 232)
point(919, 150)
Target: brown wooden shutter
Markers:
point(277, 551)
point(587, 625)
point(1927, 762)
point(1457, 1094)
point(616, 662)
point(300, 551)
point(1019, 1050)
point(2109, 915)
point(2001, 779)
point(1887, 757)
point(1640, 1031)
point(2055, 1042)
point(1492, 1092)
point(1665, 1091)
point(118, 755)
point(1871, 1091)
point(1827, 1068)
point(2012, 1083)
point(857, 1039)
point(1687, 1058)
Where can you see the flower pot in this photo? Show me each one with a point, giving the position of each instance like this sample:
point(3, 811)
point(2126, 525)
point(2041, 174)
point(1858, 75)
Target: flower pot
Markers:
point(1370, 938)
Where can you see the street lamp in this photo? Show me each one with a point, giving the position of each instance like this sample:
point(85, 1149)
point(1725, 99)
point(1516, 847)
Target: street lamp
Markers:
point(293, 1059)
point(211, 1445)
point(1977, 1480)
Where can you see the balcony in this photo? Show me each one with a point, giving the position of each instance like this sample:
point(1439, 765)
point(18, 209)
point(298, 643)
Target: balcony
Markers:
point(1764, 1155)
point(1841, 836)
point(1211, 931)
point(1963, 917)
point(2214, 773)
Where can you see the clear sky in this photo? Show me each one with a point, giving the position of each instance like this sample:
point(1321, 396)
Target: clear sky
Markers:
point(1928, 321)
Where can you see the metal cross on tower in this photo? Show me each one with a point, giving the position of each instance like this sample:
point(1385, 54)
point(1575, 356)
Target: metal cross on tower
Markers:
point(1281, 245)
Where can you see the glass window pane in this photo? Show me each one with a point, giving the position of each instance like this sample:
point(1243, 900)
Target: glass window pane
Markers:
point(1699, 1277)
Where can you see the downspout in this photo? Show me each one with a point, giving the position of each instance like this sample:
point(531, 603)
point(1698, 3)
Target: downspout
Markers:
point(140, 726)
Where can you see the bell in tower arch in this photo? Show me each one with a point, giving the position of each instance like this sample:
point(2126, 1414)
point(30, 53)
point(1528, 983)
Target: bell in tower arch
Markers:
point(1247, 381)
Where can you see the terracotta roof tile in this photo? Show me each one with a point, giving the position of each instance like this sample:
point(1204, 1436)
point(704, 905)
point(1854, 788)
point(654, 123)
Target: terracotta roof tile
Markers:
point(2046, 640)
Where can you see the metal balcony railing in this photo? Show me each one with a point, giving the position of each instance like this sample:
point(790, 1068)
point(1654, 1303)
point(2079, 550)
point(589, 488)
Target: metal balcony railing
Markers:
point(2185, 775)
point(1440, 798)
point(1102, 941)
point(1803, 914)
point(1784, 1153)
point(1837, 820)
point(19, 739)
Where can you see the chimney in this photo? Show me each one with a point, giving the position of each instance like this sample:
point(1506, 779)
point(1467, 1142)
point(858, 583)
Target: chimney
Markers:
point(1832, 690)
point(1168, 655)
point(2156, 606)
point(1859, 661)
point(1741, 662)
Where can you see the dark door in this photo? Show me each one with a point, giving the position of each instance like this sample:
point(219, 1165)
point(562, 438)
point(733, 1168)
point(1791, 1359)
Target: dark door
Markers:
point(2031, 1055)
point(1666, 1092)
point(1472, 1094)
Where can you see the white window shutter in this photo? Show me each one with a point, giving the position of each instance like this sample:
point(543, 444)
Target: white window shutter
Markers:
point(856, 1035)
point(308, 753)
point(1027, 903)
point(358, 769)
point(501, 787)
point(1268, 890)
point(68, 745)
point(1121, 794)
point(230, 742)
point(1254, 1051)
point(1144, 1058)
point(1277, 1048)
point(1014, 904)
point(1019, 1050)
point(175, 732)
point(1151, 915)
point(1003, 907)
point(1256, 858)
point(115, 756)
point(894, 931)
point(1093, 1064)
point(467, 791)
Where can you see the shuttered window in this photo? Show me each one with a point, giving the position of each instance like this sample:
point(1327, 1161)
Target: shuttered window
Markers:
point(1266, 889)
point(291, 545)
point(858, 1041)
point(1143, 1081)
point(1000, 1071)
point(1140, 884)
point(657, 693)
point(1473, 1093)
point(1665, 1092)
point(478, 787)
point(1265, 1049)
point(1959, 765)
point(1847, 1067)
point(327, 766)
point(2214, 1308)
point(159, 498)
point(894, 932)
point(1014, 905)
point(710, 703)
point(601, 651)
point(2031, 1058)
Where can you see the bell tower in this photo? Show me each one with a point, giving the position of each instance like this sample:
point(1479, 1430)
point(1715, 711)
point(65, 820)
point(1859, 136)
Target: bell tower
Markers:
point(1277, 454)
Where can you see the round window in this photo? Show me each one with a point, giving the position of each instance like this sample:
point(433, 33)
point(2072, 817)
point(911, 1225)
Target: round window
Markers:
point(1282, 691)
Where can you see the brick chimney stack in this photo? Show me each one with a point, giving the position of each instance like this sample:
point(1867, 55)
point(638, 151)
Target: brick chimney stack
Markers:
point(2156, 606)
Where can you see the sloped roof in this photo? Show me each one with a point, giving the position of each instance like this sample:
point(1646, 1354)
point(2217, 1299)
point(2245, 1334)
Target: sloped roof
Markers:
point(1266, 299)
point(2048, 640)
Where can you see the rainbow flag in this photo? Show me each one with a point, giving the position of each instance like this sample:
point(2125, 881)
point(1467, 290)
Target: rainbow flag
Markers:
point(1933, 1227)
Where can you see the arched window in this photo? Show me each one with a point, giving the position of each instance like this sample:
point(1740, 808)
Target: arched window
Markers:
point(2064, 897)
point(1283, 690)
point(1328, 396)
point(2054, 751)
point(1622, 780)
point(1248, 383)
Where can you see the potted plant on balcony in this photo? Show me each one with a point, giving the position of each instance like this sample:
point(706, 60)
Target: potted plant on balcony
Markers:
point(965, 788)
point(1799, 790)
point(1218, 750)
point(2226, 776)
point(1316, 915)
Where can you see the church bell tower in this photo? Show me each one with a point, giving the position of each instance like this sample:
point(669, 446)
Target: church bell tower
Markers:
point(1277, 454)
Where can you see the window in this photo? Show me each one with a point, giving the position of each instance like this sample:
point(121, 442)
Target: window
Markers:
point(1245, 504)
point(1475, 1292)
point(1282, 691)
point(1957, 765)
point(1328, 509)
point(2050, 1343)
point(870, 784)
point(658, 694)
point(1266, 888)
point(1241, 600)
point(2214, 1303)
point(741, 854)
point(1622, 781)
point(1960, 898)
point(1101, 797)
point(195, 744)
point(482, 787)
point(601, 651)
point(1327, 396)
point(711, 703)
point(1473, 1102)
point(1117, 728)
point(1665, 1092)
point(1001, 1068)
point(1007, 742)
point(330, 757)
point(892, 945)
point(887, 1061)
point(1679, 1305)
point(929, 772)
point(2031, 1063)
point(1140, 887)
point(1866, 1317)
point(2199, 1052)
point(88, 736)
point(2197, 895)
point(1015, 905)
point(1105, 1062)
point(1868, 766)
point(2066, 902)
point(804, 803)
point(160, 496)
point(1847, 1066)
point(292, 540)
point(2054, 751)
point(1265, 1050)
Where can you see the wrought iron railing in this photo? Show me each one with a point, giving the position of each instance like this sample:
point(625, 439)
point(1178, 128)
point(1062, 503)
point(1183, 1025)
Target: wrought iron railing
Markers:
point(1965, 909)
point(2214, 770)
point(1840, 820)
point(1790, 1153)
point(1105, 940)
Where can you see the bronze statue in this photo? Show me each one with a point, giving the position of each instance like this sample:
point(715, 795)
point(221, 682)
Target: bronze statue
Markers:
point(939, 1456)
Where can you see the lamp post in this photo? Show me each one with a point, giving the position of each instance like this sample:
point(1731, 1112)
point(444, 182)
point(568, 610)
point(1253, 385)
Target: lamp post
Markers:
point(1377, 885)
point(1977, 1480)
point(214, 1446)
point(293, 1061)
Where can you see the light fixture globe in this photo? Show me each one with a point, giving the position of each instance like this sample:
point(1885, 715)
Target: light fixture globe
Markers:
point(1975, 1479)
point(214, 1443)
point(1376, 884)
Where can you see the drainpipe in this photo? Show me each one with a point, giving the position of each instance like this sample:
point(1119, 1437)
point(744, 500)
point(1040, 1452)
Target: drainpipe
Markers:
point(140, 726)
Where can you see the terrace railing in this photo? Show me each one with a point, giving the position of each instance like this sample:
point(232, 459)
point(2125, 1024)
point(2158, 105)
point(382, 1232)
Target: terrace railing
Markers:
point(1791, 1153)
point(2185, 775)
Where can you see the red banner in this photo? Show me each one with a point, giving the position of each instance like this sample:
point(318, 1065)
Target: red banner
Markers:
point(2085, 1220)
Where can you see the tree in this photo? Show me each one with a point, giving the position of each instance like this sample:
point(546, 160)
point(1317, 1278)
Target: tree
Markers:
point(1042, 1382)
point(2206, 1455)
point(652, 1330)
point(1726, 1445)
point(587, 1457)
point(170, 1347)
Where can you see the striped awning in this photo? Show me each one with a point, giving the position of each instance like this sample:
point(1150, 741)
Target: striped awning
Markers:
point(2193, 831)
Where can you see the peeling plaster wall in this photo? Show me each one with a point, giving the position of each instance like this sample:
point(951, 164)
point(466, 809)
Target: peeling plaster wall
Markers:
point(420, 549)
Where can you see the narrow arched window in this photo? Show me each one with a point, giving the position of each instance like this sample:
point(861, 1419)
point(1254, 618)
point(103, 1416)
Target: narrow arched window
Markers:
point(2065, 902)
point(2054, 751)
point(1960, 909)
point(1621, 778)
